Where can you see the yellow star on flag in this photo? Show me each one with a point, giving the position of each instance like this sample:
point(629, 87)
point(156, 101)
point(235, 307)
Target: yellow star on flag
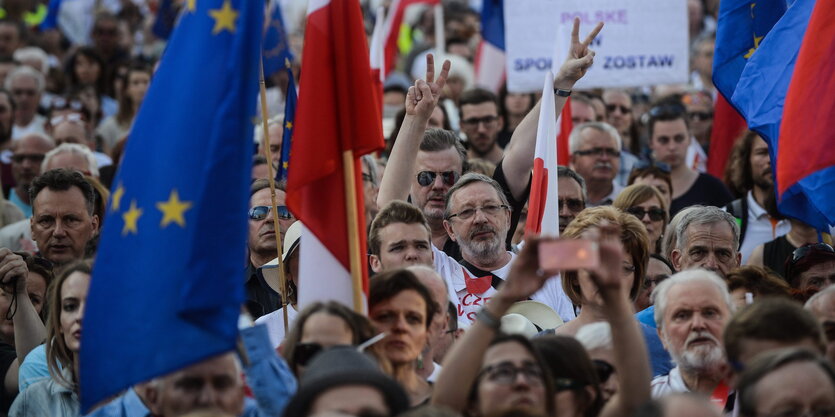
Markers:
point(173, 210)
point(288, 125)
point(131, 217)
point(191, 5)
point(751, 51)
point(116, 198)
point(224, 18)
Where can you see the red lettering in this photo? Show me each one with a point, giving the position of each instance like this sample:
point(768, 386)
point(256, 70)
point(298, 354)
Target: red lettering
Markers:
point(471, 316)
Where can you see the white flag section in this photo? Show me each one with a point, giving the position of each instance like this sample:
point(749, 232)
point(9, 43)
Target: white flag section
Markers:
point(643, 42)
point(543, 205)
point(489, 66)
point(326, 278)
point(376, 47)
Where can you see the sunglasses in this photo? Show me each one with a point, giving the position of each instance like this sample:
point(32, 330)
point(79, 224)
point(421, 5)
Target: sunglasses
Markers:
point(426, 178)
point(804, 251)
point(700, 115)
point(603, 369)
point(610, 108)
point(33, 157)
point(261, 212)
point(304, 352)
point(574, 204)
point(610, 152)
point(655, 214)
point(652, 164)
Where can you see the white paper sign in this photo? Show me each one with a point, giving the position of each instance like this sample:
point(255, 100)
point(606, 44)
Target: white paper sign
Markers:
point(643, 42)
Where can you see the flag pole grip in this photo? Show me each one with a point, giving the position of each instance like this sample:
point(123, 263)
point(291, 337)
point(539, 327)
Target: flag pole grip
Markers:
point(354, 255)
point(265, 146)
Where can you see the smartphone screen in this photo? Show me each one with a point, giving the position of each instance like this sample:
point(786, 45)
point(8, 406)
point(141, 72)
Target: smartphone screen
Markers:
point(568, 254)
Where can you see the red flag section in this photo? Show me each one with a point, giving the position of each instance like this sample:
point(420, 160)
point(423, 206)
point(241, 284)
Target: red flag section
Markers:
point(565, 128)
point(728, 126)
point(336, 113)
point(392, 29)
point(806, 135)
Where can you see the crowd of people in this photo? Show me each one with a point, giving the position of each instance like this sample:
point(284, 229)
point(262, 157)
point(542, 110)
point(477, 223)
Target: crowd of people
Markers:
point(700, 298)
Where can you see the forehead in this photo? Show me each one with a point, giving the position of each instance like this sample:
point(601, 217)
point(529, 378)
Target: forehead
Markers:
point(656, 267)
point(32, 144)
point(70, 161)
point(669, 128)
point(406, 300)
point(395, 232)
point(758, 143)
point(68, 129)
point(568, 188)
point(617, 97)
point(795, 384)
point(75, 285)
point(439, 161)
point(23, 81)
point(475, 193)
point(487, 108)
point(581, 108)
point(823, 268)
point(593, 138)
point(50, 201)
point(651, 180)
point(507, 352)
point(694, 295)
point(713, 234)
point(219, 366)
point(262, 197)
point(650, 202)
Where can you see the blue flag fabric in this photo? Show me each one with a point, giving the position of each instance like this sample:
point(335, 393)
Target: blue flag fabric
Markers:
point(762, 87)
point(289, 126)
point(492, 22)
point(741, 27)
point(276, 45)
point(167, 284)
point(51, 19)
point(165, 20)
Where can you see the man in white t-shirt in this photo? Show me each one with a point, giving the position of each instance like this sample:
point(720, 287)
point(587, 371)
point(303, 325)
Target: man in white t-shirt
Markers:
point(477, 217)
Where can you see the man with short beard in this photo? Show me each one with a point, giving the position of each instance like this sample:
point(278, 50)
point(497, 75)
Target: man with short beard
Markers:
point(756, 211)
point(595, 155)
point(477, 217)
point(692, 309)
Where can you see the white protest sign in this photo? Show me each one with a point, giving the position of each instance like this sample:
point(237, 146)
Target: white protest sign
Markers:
point(642, 43)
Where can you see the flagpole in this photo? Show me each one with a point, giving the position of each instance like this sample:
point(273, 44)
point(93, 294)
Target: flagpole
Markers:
point(265, 145)
point(354, 256)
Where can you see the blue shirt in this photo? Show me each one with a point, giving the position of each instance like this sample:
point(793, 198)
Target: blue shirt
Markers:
point(25, 208)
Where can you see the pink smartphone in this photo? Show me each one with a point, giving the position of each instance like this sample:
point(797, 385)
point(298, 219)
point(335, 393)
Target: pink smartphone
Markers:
point(568, 254)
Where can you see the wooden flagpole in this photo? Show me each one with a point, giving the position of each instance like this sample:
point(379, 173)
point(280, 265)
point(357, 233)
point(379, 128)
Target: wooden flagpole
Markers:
point(265, 145)
point(354, 255)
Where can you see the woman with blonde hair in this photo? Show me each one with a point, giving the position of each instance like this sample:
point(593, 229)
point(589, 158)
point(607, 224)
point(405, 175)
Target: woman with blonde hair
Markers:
point(647, 204)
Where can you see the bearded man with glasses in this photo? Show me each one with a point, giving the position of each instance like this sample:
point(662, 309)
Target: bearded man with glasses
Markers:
point(595, 155)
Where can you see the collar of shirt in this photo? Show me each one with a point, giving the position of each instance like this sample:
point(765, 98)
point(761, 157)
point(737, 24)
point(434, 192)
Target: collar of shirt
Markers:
point(459, 283)
point(754, 208)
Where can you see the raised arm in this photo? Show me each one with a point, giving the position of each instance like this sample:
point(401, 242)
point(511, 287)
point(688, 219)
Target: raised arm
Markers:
point(631, 360)
point(518, 156)
point(463, 363)
point(421, 100)
point(29, 330)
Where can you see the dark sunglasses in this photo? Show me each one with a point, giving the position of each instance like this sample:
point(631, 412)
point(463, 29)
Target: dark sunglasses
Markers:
point(655, 164)
point(603, 369)
point(304, 352)
point(261, 212)
point(655, 214)
point(574, 204)
point(610, 108)
point(426, 178)
point(804, 251)
point(700, 115)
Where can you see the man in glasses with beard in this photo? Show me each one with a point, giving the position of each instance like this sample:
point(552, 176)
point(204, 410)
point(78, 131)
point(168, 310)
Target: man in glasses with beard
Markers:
point(692, 309)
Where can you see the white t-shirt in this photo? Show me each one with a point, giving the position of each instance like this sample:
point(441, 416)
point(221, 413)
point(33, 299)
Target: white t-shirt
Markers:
point(275, 324)
point(469, 299)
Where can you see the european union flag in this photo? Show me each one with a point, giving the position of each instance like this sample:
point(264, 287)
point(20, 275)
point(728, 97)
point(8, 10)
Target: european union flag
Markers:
point(167, 284)
point(742, 25)
point(289, 126)
point(276, 46)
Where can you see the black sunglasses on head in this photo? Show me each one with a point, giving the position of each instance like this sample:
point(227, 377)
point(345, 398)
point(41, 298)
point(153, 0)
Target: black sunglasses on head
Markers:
point(426, 178)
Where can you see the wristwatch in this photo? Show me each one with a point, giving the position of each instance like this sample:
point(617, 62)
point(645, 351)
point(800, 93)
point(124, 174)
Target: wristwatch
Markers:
point(488, 319)
point(562, 93)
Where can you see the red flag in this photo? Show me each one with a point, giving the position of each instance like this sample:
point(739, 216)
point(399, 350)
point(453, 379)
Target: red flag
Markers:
point(392, 28)
point(566, 126)
point(336, 113)
point(728, 126)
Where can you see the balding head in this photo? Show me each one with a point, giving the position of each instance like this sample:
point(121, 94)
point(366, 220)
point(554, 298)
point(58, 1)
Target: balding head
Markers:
point(214, 384)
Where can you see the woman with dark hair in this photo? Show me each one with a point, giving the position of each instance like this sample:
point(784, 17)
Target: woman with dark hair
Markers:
point(135, 85)
point(402, 307)
point(474, 356)
point(86, 68)
point(513, 107)
point(656, 174)
point(58, 395)
point(321, 326)
point(647, 204)
point(22, 310)
point(576, 382)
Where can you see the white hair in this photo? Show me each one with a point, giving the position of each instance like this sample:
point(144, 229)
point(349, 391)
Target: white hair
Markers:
point(25, 71)
point(259, 128)
point(73, 148)
point(575, 139)
point(33, 53)
point(659, 295)
point(595, 336)
point(812, 304)
point(701, 215)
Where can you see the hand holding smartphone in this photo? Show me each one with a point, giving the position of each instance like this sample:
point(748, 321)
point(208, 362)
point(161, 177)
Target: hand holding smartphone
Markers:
point(568, 254)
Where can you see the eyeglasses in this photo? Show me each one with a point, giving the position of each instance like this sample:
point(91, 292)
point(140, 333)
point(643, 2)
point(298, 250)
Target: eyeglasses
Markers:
point(668, 110)
point(61, 103)
point(426, 178)
point(74, 118)
point(612, 153)
point(472, 122)
point(654, 164)
point(603, 369)
point(506, 374)
point(799, 412)
point(490, 210)
point(261, 212)
point(33, 157)
point(610, 108)
point(574, 204)
point(700, 115)
point(655, 214)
